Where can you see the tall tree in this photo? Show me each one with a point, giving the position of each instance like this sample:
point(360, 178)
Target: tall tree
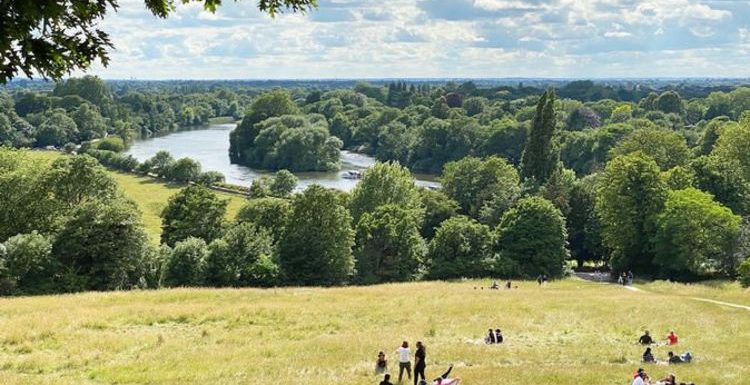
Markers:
point(244, 256)
point(388, 245)
point(462, 247)
point(695, 234)
point(386, 183)
point(541, 155)
point(270, 104)
point(481, 184)
point(316, 247)
point(101, 245)
point(631, 194)
point(195, 211)
point(532, 235)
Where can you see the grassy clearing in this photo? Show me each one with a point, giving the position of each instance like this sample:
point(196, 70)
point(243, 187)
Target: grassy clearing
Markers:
point(152, 195)
point(570, 332)
point(716, 290)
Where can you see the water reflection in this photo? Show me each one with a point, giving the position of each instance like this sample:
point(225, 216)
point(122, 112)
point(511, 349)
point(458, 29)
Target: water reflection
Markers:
point(210, 147)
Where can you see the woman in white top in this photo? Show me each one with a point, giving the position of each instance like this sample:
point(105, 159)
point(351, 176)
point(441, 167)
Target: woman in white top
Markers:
point(404, 363)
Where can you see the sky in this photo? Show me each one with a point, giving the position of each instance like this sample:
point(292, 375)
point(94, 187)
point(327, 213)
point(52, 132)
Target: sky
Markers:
point(359, 39)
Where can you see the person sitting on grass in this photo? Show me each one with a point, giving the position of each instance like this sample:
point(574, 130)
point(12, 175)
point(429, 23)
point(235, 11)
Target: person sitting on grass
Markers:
point(646, 339)
point(490, 339)
point(648, 357)
point(386, 380)
point(668, 380)
point(507, 284)
point(381, 365)
point(672, 338)
point(673, 359)
point(495, 285)
point(498, 336)
point(444, 380)
point(641, 378)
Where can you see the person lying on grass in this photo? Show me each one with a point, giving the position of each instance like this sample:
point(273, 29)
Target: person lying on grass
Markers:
point(682, 359)
point(444, 380)
point(668, 380)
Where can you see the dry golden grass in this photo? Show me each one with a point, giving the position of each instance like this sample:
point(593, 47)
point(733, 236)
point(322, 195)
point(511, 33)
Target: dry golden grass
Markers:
point(716, 290)
point(569, 332)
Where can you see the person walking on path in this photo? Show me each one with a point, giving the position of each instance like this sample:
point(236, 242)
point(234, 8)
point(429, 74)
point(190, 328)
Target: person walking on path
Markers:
point(419, 362)
point(404, 363)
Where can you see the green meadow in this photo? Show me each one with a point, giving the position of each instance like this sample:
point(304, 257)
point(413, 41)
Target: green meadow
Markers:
point(150, 194)
point(568, 332)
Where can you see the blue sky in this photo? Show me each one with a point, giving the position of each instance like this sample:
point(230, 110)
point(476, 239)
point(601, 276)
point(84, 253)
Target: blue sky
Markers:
point(435, 38)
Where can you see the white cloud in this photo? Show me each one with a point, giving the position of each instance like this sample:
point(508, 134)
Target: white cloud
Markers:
point(432, 38)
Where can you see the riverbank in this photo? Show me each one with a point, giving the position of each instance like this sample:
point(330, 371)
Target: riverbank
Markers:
point(210, 147)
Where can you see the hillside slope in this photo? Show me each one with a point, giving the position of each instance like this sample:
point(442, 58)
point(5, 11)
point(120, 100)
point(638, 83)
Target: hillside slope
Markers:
point(569, 332)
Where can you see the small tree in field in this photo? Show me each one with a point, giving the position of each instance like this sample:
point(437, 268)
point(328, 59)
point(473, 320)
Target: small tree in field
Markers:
point(195, 211)
point(186, 266)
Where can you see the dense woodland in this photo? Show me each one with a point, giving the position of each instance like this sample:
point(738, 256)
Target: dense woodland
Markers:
point(534, 180)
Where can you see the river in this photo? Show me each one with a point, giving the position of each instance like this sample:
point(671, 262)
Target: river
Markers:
point(210, 147)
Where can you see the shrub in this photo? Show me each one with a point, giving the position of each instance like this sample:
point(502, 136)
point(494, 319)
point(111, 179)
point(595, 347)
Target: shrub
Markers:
point(744, 272)
point(186, 266)
point(111, 143)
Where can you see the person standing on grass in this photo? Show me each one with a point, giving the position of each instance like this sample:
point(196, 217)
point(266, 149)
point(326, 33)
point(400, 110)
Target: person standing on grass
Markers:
point(419, 362)
point(404, 363)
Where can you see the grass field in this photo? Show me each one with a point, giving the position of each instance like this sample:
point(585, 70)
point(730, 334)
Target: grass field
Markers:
point(715, 290)
point(569, 332)
point(150, 194)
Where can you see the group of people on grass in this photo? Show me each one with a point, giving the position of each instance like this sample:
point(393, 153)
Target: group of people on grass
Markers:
point(625, 279)
point(672, 339)
point(642, 378)
point(404, 365)
point(496, 286)
point(493, 337)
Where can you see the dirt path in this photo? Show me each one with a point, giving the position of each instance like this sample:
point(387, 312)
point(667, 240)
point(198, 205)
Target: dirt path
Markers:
point(604, 278)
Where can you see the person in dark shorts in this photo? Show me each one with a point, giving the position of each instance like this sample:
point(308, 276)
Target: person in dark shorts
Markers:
point(419, 362)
